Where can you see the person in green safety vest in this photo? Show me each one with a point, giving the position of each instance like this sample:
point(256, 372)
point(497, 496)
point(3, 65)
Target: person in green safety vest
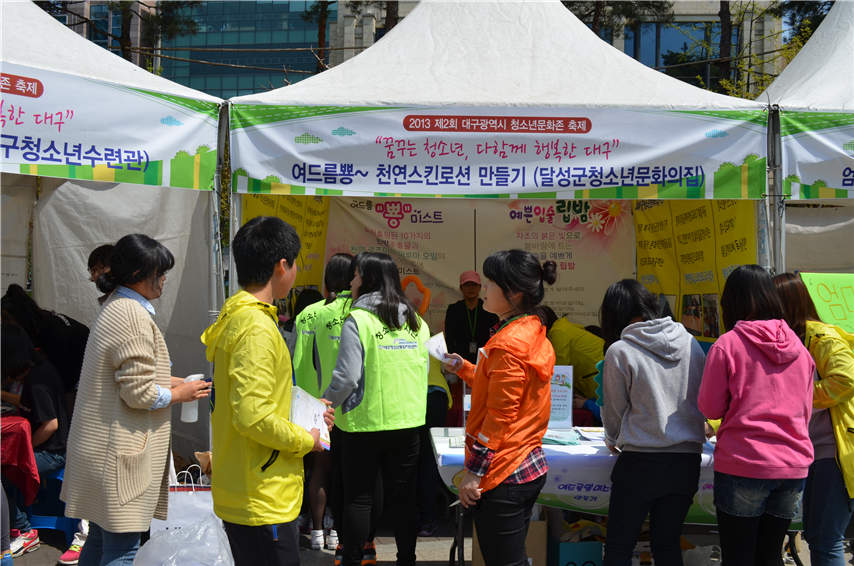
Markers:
point(308, 371)
point(380, 384)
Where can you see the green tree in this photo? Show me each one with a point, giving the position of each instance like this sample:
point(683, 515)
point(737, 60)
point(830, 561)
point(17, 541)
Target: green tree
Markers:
point(616, 15)
point(166, 20)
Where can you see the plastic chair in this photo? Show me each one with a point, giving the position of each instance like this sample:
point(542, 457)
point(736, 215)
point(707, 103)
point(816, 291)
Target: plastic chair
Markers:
point(48, 502)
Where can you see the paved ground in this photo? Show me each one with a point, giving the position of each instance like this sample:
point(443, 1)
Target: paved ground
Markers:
point(432, 551)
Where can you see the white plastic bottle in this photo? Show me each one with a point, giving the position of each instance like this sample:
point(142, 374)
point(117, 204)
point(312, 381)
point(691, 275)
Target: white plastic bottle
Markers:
point(190, 409)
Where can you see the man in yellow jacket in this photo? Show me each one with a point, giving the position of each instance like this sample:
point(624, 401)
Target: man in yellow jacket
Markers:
point(257, 472)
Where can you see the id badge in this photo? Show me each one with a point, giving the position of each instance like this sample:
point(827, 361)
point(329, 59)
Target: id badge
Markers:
point(472, 347)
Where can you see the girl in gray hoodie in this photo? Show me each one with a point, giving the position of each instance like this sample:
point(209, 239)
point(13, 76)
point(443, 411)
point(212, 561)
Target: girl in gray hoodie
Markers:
point(651, 378)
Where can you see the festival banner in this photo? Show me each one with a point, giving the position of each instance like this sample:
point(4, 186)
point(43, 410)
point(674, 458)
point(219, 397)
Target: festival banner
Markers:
point(59, 125)
point(685, 252)
point(833, 295)
point(554, 153)
point(818, 154)
point(310, 217)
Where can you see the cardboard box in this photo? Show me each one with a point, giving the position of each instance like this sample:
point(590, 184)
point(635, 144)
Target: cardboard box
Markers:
point(535, 545)
point(579, 553)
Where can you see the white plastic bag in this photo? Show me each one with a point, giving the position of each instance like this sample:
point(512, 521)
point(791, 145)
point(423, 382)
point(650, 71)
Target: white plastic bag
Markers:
point(702, 556)
point(203, 544)
point(187, 503)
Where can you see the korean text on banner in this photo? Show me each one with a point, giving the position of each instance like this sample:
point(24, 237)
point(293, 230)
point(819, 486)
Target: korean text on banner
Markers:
point(582, 153)
point(818, 154)
point(59, 125)
point(833, 295)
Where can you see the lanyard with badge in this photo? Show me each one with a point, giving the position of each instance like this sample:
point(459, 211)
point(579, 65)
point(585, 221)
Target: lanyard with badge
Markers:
point(473, 327)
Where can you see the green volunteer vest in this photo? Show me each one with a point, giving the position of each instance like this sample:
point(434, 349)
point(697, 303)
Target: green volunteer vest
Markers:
point(392, 394)
point(305, 376)
point(327, 336)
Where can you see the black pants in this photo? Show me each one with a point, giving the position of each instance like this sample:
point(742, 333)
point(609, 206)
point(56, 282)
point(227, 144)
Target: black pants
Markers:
point(659, 484)
point(365, 455)
point(428, 472)
point(749, 541)
point(501, 517)
point(266, 545)
point(336, 490)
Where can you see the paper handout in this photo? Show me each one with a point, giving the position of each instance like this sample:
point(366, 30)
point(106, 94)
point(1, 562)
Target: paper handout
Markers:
point(307, 412)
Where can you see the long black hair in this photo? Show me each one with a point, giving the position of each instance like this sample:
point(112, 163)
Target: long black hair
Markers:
point(336, 278)
point(518, 271)
point(135, 258)
point(749, 294)
point(17, 352)
point(19, 308)
point(379, 275)
point(625, 300)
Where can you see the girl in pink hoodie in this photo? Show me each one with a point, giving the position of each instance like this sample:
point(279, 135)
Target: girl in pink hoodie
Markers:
point(758, 379)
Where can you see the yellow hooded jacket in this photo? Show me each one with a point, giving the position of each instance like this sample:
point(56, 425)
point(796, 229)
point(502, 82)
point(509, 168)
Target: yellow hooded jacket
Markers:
point(831, 348)
point(257, 452)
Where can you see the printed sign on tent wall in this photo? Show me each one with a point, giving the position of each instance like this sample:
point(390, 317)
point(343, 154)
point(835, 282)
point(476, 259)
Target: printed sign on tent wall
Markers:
point(431, 240)
point(592, 242)
point(833, 296)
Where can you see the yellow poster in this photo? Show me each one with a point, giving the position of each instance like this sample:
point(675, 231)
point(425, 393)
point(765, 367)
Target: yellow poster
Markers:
point(309, 215)
point(686, 250)
point(657, 268)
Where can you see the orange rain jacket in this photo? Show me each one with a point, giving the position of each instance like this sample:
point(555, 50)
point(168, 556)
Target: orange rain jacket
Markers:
point(511, 395)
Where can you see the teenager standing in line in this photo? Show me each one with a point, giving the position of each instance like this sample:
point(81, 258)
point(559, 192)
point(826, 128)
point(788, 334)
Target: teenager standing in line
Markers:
point(511, 401)
point(650, 379)
point(759, 380)
point(829, 491)
point(380, 384)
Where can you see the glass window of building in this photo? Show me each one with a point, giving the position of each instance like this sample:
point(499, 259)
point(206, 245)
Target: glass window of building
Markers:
point(244, 25)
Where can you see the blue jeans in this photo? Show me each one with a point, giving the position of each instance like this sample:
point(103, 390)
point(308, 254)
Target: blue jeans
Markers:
point(660, 484)
point(46, 463)
point(104, 548)
point(752, 497)
point(827, 511)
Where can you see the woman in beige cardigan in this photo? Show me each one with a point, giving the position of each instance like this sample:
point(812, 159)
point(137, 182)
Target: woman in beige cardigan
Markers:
point(118, 448)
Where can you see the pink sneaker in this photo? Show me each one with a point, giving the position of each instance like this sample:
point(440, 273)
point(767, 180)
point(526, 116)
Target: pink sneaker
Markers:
point(24, 542)
point(72, 555)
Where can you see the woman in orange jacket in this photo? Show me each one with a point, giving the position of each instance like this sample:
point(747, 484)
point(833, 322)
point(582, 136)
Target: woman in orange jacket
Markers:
point(511, 401)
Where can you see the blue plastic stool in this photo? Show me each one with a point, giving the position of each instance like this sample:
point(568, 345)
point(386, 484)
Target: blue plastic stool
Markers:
point(56, 520)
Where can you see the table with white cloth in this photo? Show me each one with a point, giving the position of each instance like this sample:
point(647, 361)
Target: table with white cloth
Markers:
point(579, 477)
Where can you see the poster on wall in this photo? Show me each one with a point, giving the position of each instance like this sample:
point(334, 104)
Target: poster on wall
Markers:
point(592, 243)
point(430, 239)
point(435, 240)
point(573, 153)
point(833, 296)
point(685, 252)
point(818, 154)
point(59, 125)
point(310, 217)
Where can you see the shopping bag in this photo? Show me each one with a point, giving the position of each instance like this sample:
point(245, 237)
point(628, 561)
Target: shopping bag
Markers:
point(187, 503)
point(201, 544)
point(702, 556)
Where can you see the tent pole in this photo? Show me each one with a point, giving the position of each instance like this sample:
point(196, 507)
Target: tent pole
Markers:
point(775, 164)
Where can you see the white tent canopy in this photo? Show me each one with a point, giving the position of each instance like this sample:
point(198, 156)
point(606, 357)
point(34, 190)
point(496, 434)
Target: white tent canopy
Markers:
point(107, 103)
point(821, 76)
point(534, 53)
point(32, 37)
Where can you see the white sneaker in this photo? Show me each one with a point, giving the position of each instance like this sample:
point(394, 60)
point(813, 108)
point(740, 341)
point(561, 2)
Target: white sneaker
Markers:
point(316, 540)
point(328, 521)
point(332, 540)
point(303, 522)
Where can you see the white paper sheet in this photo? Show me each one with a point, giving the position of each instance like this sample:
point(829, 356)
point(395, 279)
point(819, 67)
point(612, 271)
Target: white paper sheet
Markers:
point(437, 348)
point(307, 412)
